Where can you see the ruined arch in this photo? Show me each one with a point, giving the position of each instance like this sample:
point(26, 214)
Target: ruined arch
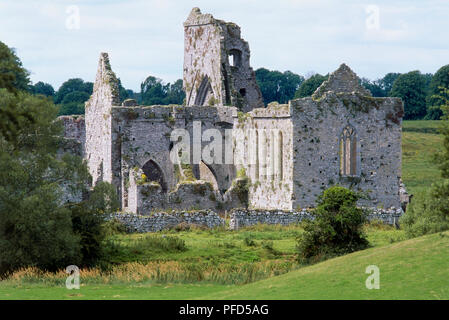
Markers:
point(154, 173)
point(203, 91)
point(206, 173)
point(348, 151)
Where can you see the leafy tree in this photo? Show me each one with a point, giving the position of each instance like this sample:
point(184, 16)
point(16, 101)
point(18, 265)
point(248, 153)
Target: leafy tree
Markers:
point(71, 108)
point(155, 91)
point(14, 78)
point(43, 89)
point(277, 86)
point(411, 88)
point(176, 94)
point(380, 87)
point(336, 229)
point(88, 221)
point(435, 97)
point(308, 87)
point(76, 96)
point(374, 87)
point(13, 75)
point(386, 83)
point(35, 229)
point(73, 85)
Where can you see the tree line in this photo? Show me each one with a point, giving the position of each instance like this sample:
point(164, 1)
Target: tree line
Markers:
point(418, 91)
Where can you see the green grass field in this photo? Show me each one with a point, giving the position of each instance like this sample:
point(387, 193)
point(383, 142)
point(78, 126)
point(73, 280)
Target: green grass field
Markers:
point(420, 141)
point(259, 262)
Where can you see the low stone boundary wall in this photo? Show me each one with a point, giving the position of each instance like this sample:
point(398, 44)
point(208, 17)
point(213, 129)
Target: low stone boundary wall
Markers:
point(239, 218)
point(244, 218)
point(162, 220)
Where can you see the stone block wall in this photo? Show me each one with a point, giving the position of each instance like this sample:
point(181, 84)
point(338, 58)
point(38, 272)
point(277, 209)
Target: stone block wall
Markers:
point(318, 125)
point(263, 148)
point(210, 78)
point(161, 221)
point(240, 218)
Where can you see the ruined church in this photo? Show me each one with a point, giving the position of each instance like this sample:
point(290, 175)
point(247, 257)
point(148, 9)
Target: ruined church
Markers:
point(280, 156)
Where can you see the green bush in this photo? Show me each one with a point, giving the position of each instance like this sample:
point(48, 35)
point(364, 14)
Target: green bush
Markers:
point(89, 223)
point(336, 228)
point(428, 213)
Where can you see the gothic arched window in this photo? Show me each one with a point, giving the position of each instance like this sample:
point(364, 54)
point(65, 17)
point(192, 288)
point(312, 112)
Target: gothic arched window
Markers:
point(348, 152)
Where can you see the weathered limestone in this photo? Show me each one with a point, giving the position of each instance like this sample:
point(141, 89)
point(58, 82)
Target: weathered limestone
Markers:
point(308, 135)
point(99, 131)
point(282, 156)
point(210, 78)
point(162, 221)
point(240, 218)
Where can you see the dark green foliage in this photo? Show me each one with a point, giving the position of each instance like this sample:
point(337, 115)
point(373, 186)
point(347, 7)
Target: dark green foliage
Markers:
point(381, 87)
point(277, 86)
point(429, 213)
point(154, 91)
point(73, 85)
point(13, 76)
point(411, 88)
point(88, 219)
point(72, 95)
point(435, 97)
point(35, 229)
point(42, 88)
point(308, 87)
point(374, 87)
point(336, 229)
point(71, 108)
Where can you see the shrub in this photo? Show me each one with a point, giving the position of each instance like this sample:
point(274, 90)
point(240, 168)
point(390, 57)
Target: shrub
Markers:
point(89, 224)
point(336, 229)
point(428, 213)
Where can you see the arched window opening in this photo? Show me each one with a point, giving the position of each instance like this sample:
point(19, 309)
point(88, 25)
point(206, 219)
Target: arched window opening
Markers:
point(348, 152)
point(235, 58)
point(154, 173)
point(206, 174)
point(203, 90)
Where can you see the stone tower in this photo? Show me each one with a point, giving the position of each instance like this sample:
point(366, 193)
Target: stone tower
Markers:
point(216, 64)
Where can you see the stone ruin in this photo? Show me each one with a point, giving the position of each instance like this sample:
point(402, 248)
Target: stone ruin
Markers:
point(282, 156)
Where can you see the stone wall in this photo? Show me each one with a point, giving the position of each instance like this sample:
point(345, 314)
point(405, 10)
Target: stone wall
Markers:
point(318, 126)
point(99, 131)
point(75, 133)
point(263, 148)
point(210, 78)
point(240, 218)
point(160, 221)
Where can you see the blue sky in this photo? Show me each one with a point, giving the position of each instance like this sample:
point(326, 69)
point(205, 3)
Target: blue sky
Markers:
point(145, 37)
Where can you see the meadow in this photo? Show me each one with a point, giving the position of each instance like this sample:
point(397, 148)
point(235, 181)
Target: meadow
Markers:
point(259, 262)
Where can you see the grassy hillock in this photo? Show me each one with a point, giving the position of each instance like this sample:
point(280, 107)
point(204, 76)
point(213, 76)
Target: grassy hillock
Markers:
point(411, 269)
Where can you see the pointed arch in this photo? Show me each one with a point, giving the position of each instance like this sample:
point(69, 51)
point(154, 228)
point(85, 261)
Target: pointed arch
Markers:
point(154, 173)
point(206, 173)
point(203, 90)
point(348, 151)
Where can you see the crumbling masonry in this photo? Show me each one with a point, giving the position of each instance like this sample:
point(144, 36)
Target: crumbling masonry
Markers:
point(282, 156)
